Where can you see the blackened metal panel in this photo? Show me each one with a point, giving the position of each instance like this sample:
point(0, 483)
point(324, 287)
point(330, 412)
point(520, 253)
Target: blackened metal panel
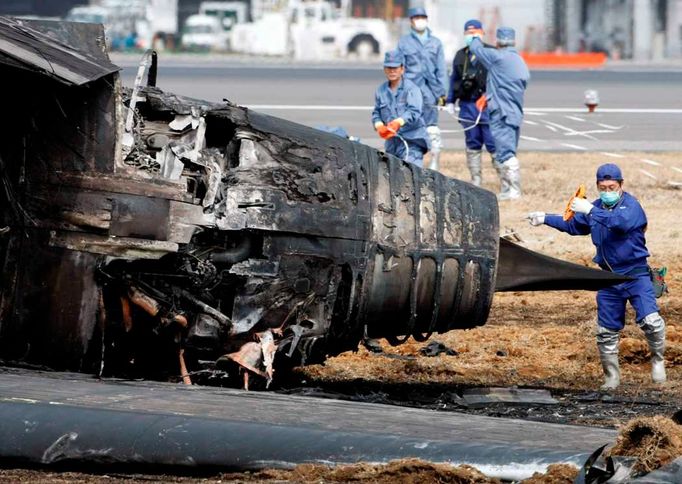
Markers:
point(72, 53)
point(140, 217)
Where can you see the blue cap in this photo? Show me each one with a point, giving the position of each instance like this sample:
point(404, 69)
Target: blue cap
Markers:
point(394, 58)
point(506, 36)
point(473, 24)
point(416, 12)
point(609, 171)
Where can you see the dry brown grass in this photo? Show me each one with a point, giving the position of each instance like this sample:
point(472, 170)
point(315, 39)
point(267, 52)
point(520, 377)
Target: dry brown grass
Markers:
point(548, 338)
point(655, 441)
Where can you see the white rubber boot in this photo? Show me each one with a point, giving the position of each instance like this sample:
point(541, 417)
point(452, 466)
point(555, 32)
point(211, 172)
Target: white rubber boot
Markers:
point(607, 343)
point(511, 174)
point(474, 164)
point(653, 326)
point(436, 144)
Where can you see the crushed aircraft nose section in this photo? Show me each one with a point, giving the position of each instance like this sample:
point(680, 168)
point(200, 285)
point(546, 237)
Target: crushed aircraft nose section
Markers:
point(151, 233)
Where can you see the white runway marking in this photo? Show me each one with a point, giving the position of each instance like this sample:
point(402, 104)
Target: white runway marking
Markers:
point(570, 131)
point(650, 175)
point(575, 147)
point(612, 155)
point(530, 123)
point(541, 111)
point(551, 128)
point(608, 126)
point(576, 118)
point(529, 138)
point(650, 162)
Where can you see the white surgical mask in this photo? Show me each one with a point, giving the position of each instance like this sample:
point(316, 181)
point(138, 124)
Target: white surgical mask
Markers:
point(420, 24)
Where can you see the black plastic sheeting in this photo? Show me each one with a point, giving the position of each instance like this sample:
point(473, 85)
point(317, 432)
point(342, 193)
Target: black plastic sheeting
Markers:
point(599, 468)
point(521, 269)
point(67, 420)
point(49, 47)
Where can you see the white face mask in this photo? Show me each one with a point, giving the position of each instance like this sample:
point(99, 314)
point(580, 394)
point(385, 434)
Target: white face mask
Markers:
point(420, 24)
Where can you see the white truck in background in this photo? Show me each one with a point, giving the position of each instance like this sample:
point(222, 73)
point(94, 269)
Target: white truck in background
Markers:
point(311, 30)
point(210, 28)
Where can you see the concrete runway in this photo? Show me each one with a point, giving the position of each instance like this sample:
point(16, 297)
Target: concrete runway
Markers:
point(639, 110)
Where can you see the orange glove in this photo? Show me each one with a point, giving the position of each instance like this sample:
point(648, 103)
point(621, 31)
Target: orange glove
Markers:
point(396, 124)
point(481, 103)
point(382, 130)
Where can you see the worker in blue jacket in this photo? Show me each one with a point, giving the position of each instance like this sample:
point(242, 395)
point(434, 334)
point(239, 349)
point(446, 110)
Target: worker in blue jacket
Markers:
point(397, 114)
point(425, 66)
point(507, 80)
point(467, 84)
point(617, 223)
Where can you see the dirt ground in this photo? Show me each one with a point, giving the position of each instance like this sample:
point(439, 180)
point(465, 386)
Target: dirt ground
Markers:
point(536, 340)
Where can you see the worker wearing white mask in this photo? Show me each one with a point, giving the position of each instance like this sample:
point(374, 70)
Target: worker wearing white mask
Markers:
point(425, 66)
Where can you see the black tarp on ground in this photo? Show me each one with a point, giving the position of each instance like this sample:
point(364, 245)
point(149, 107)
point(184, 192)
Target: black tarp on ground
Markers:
point(57, 418)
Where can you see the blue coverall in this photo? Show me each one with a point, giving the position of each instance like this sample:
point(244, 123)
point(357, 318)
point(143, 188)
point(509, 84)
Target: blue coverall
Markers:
point(618, 234)
point(477, 136)
point(508, 78)
point(405, 103)
point(425, 66)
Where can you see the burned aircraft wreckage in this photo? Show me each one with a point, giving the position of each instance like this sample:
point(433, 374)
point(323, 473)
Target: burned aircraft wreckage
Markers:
point(146, 234)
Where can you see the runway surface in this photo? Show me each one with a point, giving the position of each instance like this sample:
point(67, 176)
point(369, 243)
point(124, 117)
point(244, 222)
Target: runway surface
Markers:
point(639, 109)
point(50, 418)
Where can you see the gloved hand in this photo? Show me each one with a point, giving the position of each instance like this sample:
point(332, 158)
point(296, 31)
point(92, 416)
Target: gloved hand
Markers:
point(383, 130)
point(481, 102)
point(396, 124)
point(441, 101)
point(581, 205)
point(536, 218)
point(475, 33)
point(450, 108)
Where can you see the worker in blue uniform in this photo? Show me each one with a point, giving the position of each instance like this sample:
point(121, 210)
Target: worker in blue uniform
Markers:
point(397, 113)
point(467, 84)
point(507, 80)
point(617, 223)
point(425, 66)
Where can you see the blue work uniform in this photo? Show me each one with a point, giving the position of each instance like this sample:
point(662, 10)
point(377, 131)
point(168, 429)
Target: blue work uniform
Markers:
point(405, 103)
point(466, 64)
point(618, 234)
point(508, 78)
point(425, 66)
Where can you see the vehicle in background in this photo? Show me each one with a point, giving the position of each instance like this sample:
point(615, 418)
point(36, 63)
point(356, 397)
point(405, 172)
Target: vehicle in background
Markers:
point(202, 32)
point(312, 30)
point(210, 28)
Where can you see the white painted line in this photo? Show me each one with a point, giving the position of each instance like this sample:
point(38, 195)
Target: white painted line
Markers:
point(679, 170)
point(530, 138)
point(552, 128)
point(608, 126)
point(589, 132)
point(650, 175)
point(309, 107)
point(612, 155)
point(650, 162)
point(576, 118)
point(530, 111)
point(570, 131)
point(575, 147)
point(531, 123)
